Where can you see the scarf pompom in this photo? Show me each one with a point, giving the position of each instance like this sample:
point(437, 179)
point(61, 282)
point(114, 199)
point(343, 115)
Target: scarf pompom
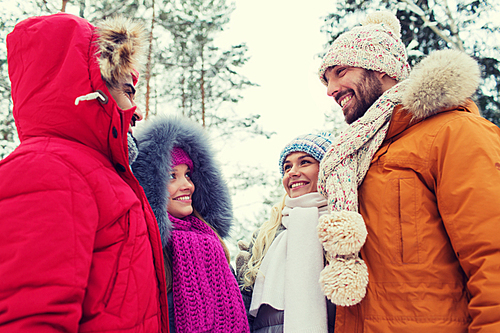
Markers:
point(342, 232)
point(344, 280)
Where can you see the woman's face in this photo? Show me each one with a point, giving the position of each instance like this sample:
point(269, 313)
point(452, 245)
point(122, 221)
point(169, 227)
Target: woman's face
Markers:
point(300, 174)
point(181, 189)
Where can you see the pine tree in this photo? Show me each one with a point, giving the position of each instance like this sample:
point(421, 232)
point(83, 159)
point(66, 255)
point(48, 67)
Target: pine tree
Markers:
point(189, 73)
point(428, 25)
point(7, 130)
point(203, 80)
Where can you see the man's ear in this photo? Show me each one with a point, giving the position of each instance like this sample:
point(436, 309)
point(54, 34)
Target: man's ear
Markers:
point(386, 81)
point(380, 75)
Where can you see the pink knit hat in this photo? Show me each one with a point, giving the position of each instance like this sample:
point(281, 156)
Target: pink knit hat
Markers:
point(179, 156)
point(375, 45)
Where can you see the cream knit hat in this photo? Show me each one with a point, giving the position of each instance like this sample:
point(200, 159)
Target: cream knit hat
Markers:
point(375, 45)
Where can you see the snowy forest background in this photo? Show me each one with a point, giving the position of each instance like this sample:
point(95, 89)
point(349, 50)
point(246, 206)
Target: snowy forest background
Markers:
point(190, 72)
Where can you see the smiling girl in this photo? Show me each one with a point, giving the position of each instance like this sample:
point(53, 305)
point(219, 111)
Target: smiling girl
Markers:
point(193, 209)
point(279, 272)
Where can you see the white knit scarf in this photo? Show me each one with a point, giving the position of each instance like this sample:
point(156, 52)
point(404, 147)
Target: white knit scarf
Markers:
point(289, 273)
point(342, 170)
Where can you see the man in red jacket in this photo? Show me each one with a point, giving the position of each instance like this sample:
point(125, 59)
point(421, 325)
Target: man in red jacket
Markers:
point(79, 246)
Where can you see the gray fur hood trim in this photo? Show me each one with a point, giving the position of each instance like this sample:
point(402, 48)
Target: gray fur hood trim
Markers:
point(444, 79)
point(152, 168)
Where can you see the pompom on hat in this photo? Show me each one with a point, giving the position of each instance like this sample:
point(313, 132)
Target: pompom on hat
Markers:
point(375, 45)
point(313, 144)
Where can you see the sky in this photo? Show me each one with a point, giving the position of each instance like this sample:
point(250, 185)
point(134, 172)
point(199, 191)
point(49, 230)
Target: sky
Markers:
point(284, 40)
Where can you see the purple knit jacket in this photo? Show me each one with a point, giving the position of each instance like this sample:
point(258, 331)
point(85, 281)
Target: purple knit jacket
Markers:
point(205, 292)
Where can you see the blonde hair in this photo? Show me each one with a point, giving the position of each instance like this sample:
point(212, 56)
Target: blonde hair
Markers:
point(168, 258)
point(265, 237)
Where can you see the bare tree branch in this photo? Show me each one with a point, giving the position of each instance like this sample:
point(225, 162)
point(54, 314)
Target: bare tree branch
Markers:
point(432, 25)
point(453, 27)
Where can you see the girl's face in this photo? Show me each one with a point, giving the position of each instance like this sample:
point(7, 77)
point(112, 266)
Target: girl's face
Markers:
point(181, 189)
point(300, 174)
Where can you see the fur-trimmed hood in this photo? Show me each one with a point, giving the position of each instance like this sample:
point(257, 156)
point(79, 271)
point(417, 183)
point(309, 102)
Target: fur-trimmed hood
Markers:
point(443, 79)
point(49, 84)
point(152, 168)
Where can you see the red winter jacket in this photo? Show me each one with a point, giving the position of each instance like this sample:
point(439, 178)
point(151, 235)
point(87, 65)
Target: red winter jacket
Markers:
point(79, 246)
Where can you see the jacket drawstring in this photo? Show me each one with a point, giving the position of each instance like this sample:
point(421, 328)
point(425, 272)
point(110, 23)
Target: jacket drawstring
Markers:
point(95, 95)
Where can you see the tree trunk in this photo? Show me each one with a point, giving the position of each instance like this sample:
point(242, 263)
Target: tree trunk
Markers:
point(63, 9)
point(148, 65)
point(183, 95)
point(82, 8)
point(202, 83)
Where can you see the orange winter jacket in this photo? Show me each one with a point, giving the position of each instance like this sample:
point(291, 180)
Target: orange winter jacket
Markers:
point(431, 205)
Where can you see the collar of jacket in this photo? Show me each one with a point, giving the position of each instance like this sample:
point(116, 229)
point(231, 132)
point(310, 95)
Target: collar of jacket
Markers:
point(443, 81)
point(402, 119)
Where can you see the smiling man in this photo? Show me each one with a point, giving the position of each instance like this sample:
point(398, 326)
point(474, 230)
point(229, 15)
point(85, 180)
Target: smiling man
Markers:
point(356, 89)
point(410, 173)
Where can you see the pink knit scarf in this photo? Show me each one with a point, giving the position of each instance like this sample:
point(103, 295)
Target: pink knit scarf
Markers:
point(206, 294)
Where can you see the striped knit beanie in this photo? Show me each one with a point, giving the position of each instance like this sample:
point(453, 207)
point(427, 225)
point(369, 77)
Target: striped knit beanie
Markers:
point(375, 45)
point(313, 144)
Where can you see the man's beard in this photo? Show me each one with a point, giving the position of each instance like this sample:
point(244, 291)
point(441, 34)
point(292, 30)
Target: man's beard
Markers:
point(368, 91)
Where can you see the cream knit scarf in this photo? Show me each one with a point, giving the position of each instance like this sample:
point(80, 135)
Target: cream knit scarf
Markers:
point(289, 273)
point(343, 231)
